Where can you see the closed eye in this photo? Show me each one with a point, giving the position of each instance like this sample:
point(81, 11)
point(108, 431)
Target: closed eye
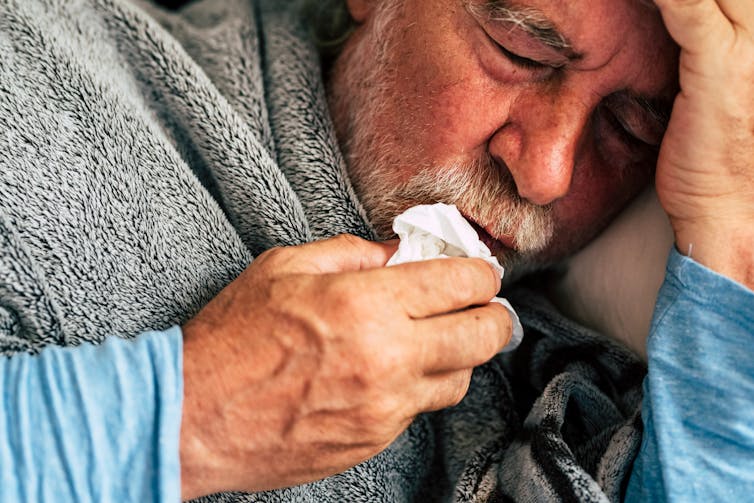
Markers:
point(627, 136)
point(636, 121)
point(520, 61)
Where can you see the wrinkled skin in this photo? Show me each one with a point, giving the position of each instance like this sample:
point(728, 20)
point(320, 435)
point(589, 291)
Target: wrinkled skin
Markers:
point(430, 86)
point(278, 366)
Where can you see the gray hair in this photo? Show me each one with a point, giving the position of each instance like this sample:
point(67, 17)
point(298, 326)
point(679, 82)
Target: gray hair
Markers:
point(528, 20)
point(331, 22)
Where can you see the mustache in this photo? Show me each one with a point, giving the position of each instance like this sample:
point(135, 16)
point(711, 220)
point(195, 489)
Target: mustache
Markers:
point(483, 189)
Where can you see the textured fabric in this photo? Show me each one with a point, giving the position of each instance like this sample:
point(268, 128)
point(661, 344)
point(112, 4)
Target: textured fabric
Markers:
point(699, 421)
point(61, 441)
point(147, 157)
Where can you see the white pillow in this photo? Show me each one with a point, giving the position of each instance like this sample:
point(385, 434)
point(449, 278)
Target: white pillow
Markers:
point(611, 285)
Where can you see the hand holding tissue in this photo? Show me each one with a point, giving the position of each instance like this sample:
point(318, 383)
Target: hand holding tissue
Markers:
point(439, 231)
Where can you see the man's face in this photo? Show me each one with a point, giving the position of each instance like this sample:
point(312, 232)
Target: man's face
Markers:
point(539, 119)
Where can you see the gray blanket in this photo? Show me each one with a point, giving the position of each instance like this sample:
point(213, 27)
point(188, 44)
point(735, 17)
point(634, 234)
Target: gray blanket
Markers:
point(146, 157)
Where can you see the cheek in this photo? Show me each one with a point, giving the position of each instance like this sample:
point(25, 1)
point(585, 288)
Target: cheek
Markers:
point(444, 98)
point(449, 122)
point(452, 117)
point(598, 192)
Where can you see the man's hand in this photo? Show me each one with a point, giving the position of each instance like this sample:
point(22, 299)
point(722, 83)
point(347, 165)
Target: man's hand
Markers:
point(705, 173)
point(317, 357)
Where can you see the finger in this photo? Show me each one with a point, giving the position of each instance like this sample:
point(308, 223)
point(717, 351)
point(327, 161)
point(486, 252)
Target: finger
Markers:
point(344, 253)
point(696, 25)
point(443, 390)
point(439, 286)
point(462, 340)
point(740, 12)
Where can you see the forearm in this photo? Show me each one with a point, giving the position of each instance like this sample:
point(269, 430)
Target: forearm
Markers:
point(698, 414)
point(93, 423)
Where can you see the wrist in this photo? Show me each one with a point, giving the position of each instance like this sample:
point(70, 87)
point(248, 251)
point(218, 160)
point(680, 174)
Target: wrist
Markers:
point(199, 468)
point(729, 252)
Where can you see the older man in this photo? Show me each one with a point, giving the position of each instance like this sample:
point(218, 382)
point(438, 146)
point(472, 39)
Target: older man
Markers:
point(149, 156)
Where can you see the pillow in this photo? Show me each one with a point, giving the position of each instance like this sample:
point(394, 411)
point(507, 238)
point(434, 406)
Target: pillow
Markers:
point(611, 285)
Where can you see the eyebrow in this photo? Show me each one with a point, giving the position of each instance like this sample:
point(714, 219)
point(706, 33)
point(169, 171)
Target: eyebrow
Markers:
point(528, 19)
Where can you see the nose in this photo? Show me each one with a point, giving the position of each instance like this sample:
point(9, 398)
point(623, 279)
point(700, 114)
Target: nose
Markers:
point(539, 144)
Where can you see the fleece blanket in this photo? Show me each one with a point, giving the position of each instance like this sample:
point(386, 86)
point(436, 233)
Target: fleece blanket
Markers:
point(147, 156)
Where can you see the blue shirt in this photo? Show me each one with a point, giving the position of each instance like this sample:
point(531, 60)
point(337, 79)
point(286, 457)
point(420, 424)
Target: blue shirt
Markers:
point(698, 408)
point(62, 442)
point(93, 423)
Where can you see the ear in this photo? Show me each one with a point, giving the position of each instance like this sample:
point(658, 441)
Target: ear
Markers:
point(360, 9)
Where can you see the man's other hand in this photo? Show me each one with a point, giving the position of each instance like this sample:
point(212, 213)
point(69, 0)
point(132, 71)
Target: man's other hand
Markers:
point(705, 174)
point(317, 357)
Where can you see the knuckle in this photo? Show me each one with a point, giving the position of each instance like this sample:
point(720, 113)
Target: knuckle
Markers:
point(503, 326)
point(488, 348)
point(273, 256)
point(460, 388)
point(385, 361)
point(464, 285)
point(490, 326)
point(487, 321)
point(502, 317)
point(368, 365)
point(351, 241)
point(340, 294)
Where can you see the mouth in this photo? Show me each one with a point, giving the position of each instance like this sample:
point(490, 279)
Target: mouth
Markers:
point(497, 245)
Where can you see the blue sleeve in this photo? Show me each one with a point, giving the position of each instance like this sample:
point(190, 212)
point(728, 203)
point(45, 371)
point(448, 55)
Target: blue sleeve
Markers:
point(698, 409)
point(93, 423)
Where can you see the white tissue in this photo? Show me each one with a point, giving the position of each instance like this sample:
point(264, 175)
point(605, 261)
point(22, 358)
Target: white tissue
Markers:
point(438, 231)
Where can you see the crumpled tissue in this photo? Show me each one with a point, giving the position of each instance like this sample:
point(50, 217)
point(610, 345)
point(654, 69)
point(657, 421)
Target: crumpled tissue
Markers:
point(438, 231)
